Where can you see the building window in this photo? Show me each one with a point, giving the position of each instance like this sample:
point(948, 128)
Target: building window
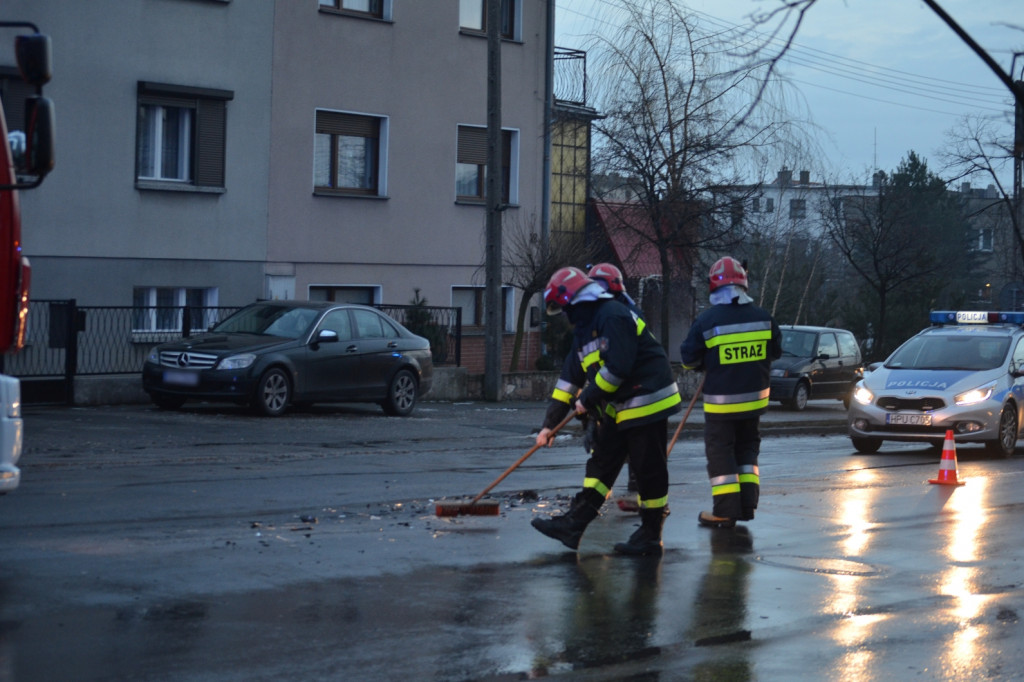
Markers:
point(769, 205)
point(160, 309)
point(180, 136)
point(348, 153)
point(984, 239)
point(471, 165)
point(755, 205)
point(473, 17)
point(797, 209)
point(376, 9)
point(471, 300)
point(344, 294)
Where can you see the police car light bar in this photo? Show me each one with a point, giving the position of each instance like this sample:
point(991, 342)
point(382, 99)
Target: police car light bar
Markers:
point(976, 317)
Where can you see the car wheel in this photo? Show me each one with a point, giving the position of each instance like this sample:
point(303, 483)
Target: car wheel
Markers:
point(868, 446)
point(1005, 445)
point(168, 402)
point(401, 394)
point(799, 400)
point(273, 393)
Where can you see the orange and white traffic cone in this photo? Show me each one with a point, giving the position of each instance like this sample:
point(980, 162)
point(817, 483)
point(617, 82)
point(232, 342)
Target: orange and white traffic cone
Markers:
point(947, 465)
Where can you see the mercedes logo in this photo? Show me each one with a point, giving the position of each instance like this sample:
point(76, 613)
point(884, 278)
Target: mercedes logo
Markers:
point(183, 360)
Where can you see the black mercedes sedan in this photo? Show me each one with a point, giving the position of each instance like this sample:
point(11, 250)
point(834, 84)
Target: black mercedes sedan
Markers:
point(273, 354)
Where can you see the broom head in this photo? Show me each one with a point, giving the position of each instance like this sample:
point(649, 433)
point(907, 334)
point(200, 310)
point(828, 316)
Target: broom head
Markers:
point(480, 508)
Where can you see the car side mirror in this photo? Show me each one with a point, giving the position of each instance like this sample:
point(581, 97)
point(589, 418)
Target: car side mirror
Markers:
point(822, 356)
point(327, 336)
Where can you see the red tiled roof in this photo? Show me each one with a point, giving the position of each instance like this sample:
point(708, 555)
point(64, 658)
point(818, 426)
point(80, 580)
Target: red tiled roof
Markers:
point(629, 232)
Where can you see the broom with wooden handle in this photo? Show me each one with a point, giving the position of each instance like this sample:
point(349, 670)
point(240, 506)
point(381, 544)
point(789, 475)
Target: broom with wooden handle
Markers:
point(490, 507)
point(686, 415)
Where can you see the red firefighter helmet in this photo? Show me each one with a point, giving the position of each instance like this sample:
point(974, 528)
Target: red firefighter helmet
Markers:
point(609, 274)
point(727, 271)
point(562, 287)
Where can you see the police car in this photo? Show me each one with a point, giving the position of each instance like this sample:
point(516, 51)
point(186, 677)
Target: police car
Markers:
point(965, 373)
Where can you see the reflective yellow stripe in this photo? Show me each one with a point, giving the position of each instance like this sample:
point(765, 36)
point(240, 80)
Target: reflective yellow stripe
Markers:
point(640, 326)
point(750, 478)
point(561, 396)
point(603, 384)
point(733, 408)
point(739, 337)
point(590, 359)
point(658, 503)
point(725, 489)
point(596, 484)
point(646, 410)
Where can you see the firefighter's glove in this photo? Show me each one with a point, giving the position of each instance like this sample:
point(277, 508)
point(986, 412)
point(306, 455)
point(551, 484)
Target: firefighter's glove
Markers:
point(584, 404)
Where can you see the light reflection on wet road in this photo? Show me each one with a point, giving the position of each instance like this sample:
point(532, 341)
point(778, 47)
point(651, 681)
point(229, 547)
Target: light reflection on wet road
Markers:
point(855, 568)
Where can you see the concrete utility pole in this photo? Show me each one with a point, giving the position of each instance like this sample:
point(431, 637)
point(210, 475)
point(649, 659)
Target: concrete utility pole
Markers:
point(492, 263)
point(1018, 158)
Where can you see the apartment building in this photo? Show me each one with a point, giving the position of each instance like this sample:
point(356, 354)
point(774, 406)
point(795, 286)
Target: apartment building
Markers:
point(212, 152)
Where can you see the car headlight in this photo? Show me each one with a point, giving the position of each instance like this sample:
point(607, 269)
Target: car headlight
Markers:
point(862, 395)
point(778, 373)
point(975, 395)
point(154, 356)
point(237, 361)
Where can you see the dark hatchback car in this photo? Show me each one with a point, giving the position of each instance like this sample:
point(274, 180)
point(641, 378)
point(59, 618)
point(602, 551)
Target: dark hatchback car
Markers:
point(273, 354)
point(816, 363)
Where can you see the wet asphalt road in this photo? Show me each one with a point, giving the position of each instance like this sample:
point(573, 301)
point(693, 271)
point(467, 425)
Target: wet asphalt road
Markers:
point(209, 544)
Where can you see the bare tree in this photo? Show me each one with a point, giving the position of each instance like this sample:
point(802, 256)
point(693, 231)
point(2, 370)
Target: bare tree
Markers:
point(981, 147)
point(909, 244)
point(527, 267)
point(678, 123)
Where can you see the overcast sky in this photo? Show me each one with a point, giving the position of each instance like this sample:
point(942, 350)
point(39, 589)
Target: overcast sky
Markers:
point(878, 77)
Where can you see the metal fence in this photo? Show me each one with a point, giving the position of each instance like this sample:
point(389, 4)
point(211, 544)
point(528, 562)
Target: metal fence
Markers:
point(68, 340)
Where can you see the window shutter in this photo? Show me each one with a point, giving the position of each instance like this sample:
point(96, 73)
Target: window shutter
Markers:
point(351, 125)
point(211, 119)
point(472, 145)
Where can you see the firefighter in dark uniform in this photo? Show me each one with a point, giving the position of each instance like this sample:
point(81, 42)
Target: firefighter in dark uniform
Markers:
point(734, 343)
point(610, 277)
point(618, 372)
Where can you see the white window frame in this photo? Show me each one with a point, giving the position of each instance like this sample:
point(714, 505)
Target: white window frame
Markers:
point(469, 320)
point(986, 240)
point(179, 295)
point(154, 135)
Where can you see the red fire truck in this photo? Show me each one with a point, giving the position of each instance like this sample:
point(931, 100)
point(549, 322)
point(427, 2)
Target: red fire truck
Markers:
point(26, 156)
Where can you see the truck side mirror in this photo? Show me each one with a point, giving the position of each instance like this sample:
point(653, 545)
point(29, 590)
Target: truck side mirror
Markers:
point(32, 150)
point(39, 137)
point(34, 58)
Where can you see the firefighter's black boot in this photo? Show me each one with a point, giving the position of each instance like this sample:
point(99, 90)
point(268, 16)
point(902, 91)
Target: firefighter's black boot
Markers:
point(568, 528)
point(647, 538)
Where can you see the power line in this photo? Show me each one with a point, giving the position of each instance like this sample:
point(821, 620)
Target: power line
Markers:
point(988, 98)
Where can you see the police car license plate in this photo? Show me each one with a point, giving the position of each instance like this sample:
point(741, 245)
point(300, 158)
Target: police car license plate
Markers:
point(181, 378)
point(908, 419)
